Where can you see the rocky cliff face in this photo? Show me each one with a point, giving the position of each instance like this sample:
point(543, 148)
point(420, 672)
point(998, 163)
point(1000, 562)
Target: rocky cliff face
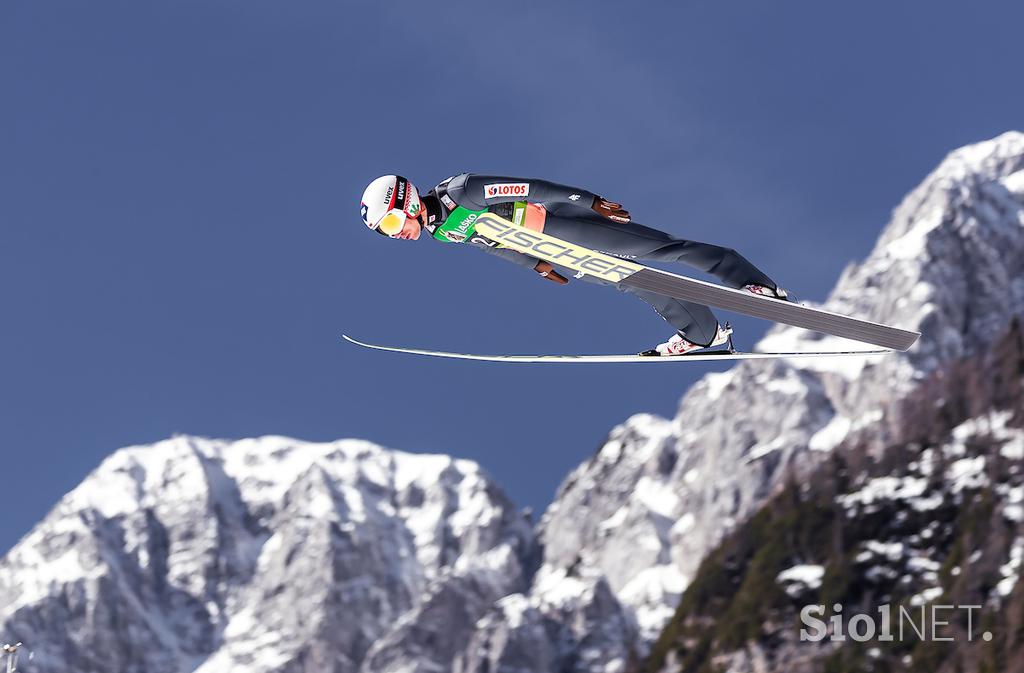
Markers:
point(931, 527)
point(277, 555)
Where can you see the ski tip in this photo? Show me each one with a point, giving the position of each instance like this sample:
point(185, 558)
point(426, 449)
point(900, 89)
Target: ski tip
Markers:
point(916, 336)
point(362, 344)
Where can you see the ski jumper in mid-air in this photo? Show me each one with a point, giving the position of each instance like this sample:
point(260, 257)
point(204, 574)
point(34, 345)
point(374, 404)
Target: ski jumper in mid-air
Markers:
point(392, 206)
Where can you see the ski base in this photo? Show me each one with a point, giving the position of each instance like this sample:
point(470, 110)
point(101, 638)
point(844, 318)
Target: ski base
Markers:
point(613, 359)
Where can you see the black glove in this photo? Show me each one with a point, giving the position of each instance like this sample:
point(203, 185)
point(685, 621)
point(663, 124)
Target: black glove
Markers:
point(613, 211)
point(547, 271)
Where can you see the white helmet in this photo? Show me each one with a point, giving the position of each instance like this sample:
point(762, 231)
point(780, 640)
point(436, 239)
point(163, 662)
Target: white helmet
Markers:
point(387, 202)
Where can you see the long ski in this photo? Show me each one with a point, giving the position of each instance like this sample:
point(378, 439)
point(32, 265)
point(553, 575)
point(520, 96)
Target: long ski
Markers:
point(606, 267)
point(609, 359)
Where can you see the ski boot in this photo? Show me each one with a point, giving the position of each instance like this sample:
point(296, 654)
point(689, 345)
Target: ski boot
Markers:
point(765, 291)
point(680, 345)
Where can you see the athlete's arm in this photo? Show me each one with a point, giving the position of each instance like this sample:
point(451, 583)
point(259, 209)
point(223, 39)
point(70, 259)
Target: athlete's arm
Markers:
point(547, 271)
point(613, 211)
point(487, 190)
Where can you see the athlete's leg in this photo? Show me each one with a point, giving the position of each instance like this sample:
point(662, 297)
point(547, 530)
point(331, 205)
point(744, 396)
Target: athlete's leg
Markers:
point(636, 241)
point(696, 322)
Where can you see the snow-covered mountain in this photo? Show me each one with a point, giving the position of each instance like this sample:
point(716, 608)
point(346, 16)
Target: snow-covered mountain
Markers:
point(260, 555)
point(277, 555)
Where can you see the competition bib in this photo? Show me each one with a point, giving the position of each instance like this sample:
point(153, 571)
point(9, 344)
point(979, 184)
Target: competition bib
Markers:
point(461, 224)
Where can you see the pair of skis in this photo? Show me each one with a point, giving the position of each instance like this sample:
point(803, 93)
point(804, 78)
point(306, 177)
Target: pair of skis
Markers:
point(583, 260)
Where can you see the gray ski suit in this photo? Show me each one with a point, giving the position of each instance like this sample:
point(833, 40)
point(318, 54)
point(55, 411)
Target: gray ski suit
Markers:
point(453, 203)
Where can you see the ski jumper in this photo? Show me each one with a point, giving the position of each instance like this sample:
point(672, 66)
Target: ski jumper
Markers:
point(454, 204)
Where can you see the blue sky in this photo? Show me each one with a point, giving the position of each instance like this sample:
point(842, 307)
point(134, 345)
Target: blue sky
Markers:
point(180, 245)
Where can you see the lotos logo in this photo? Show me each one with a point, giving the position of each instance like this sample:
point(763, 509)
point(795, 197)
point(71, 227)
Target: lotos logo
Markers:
point(506, 189)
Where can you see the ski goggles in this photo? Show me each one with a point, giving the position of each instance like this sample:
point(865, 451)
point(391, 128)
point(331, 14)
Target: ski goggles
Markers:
point(392, 222)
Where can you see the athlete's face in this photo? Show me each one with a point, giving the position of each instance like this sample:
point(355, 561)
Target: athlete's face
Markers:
point(414, 215)
point(411, 229)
